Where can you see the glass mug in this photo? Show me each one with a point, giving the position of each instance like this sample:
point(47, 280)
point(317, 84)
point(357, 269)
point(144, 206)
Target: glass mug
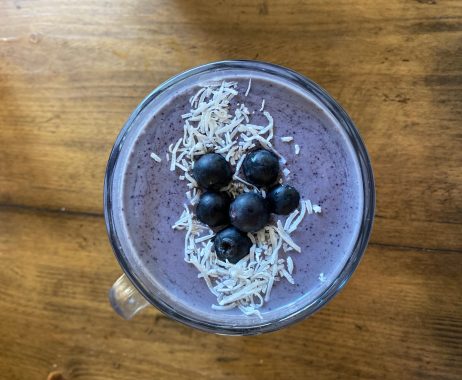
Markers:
point(132, 292)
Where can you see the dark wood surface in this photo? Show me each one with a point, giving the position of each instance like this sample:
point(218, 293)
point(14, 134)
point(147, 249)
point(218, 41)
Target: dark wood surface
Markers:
point(70, 74)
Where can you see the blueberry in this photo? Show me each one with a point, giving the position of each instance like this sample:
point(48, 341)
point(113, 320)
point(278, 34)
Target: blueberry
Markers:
point(231, 244)
point(212, 171)
point(261, 167)
point(283, 199)
point(249, 212)
point(213, 208)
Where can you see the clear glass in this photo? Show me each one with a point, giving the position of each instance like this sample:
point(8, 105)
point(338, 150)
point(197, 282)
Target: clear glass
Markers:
point(125, 299)
point(130, 294)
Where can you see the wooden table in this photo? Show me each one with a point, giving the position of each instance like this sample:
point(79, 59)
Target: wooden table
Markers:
point(70, 74)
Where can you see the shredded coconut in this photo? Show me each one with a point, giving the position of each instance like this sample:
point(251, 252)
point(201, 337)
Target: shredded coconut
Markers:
point(290, 264)
point(286, 237)
point(317, 209)
point(309, 206)
point(293, 226)
point(287, 138)
point(210, 126)
point(286, 172)
point(262, 105)
point(248, 87)
point(155, 157)
point(297, 149)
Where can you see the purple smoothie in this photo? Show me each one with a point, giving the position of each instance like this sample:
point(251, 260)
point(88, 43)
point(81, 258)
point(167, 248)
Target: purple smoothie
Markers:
point(151, 197)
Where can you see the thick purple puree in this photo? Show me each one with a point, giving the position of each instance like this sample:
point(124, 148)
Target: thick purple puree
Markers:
point(326, 171)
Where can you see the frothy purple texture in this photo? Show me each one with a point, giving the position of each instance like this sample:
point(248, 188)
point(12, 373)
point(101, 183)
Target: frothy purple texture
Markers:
point(151, 197)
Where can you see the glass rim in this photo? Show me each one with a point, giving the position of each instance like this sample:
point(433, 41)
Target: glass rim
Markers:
point(365, 229)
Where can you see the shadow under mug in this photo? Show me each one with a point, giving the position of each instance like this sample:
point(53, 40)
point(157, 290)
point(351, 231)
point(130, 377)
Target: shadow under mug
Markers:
point(128, 295)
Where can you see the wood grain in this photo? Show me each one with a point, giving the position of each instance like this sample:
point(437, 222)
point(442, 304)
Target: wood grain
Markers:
point(71, 73)
point(400, 314)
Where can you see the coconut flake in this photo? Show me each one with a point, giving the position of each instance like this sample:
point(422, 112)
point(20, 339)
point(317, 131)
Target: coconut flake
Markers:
point(286, 172)
point(195, 197)
point(190, 179)
point(317, 209)
point(287, 138)
point(286, 247)
point(288, 276)
point(290, 264)
point(205, 238)
point(297, 221)
point(237, 178)
point(285, 236)
point(181, 167)
point(270, 125)
point(309, 206)
point(248, 87)
point(297, 149)
point(225, 307)
point(155, 157)
point(174, 150)
point(239, 163)
point(262, 105)
point(290, 218)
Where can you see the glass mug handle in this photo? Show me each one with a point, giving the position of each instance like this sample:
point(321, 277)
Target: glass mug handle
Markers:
point(125, 299)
